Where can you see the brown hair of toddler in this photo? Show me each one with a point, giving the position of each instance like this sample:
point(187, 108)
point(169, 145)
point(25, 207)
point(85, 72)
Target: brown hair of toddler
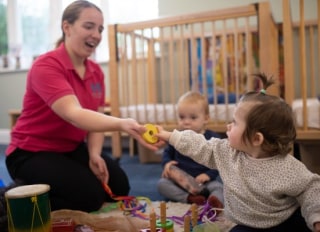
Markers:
point(272, 117)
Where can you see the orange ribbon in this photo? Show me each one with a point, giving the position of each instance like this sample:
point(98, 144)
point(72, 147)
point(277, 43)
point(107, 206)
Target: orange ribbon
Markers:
point(113, 196)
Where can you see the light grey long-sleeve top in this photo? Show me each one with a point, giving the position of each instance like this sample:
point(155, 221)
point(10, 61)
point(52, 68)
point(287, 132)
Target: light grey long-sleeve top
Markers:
point(258, 193)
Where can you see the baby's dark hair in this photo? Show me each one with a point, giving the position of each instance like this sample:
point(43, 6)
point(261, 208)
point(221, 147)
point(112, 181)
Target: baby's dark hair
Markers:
point(272, 117)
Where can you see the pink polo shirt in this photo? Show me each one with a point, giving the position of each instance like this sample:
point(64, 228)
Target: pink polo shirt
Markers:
point(51, 77)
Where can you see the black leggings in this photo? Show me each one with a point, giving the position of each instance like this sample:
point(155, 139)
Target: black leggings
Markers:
point(294, 223)
point(72, 184)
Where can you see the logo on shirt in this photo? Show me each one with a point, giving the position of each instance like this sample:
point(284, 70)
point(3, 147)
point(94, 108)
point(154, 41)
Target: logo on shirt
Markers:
point(96, 90)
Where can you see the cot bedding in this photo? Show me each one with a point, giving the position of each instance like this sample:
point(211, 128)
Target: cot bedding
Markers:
point(313, 112)
point(162, 113)
point(166, 113)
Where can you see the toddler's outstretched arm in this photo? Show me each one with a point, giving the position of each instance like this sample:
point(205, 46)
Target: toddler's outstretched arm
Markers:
point(163, 134)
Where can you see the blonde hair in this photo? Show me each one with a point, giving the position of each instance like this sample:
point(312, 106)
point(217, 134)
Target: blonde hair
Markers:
point(194, 97)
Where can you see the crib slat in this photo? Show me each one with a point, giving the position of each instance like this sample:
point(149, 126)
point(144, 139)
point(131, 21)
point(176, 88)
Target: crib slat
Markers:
point(303, 72)
point(151, 68)
point(162, 73)
point(152, 90)
point(216, 69)
point(249, 55)
point(312, 77)
point(124, 78)
point(181, 63)
point(113, 70)
point(142, 77)
point(288, 53)
point(171, 68)
point(236, 58)
point(268, 45)
point(215, 64)
point(203, 87)
point(134, 70)
point(194, 61)
point(225, 62)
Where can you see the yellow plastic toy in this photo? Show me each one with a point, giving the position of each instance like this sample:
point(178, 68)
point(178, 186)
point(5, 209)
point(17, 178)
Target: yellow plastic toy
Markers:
point(149, 134)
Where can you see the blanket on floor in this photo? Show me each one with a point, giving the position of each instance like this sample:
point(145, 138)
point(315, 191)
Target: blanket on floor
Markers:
point(113, 218)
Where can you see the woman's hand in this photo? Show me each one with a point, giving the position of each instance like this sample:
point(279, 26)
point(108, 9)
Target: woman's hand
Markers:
point(136, 130)
point(99, 168)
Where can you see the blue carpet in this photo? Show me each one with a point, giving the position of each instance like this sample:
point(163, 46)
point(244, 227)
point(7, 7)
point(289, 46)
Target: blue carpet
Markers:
point(4, 175)
point(142, 177)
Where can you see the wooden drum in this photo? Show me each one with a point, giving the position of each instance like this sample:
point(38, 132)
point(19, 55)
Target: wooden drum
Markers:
point(28, 208)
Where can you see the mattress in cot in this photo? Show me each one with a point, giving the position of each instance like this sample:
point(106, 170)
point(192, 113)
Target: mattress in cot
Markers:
point(313, 112)
point(162, 113)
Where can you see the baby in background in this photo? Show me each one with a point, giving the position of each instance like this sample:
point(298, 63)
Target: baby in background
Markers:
point(181, 186)
point(265, 187)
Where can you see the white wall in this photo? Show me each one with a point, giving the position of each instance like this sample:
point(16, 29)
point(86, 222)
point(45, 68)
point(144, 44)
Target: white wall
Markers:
point(12, 86)
point(170, 7)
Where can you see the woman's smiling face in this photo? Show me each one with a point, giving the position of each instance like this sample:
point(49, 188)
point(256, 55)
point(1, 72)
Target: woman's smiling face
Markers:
point(84, 35)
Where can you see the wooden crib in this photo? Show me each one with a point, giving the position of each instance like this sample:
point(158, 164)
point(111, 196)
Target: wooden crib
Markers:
point(154, 62)
point(301, 44)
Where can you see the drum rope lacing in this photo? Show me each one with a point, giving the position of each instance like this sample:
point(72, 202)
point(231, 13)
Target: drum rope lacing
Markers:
point(34, 199)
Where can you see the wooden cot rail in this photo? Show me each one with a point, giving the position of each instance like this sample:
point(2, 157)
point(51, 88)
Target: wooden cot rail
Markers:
point(237, 12)
point(301, 81)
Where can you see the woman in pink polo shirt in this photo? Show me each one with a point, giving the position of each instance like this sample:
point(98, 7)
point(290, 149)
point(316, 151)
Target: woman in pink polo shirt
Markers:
point(59, 136)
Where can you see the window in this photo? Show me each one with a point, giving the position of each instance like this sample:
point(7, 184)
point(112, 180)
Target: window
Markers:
point(3, 27)
point(34, 34)
point(33, 29)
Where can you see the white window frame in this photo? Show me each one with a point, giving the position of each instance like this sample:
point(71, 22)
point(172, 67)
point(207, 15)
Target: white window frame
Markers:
point(56, 8)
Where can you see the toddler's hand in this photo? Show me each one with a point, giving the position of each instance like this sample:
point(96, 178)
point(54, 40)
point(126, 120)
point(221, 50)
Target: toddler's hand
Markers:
point(163, 134)
point(202, 178)
point(166, 169)
point(316, 227)
point(136, 130)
